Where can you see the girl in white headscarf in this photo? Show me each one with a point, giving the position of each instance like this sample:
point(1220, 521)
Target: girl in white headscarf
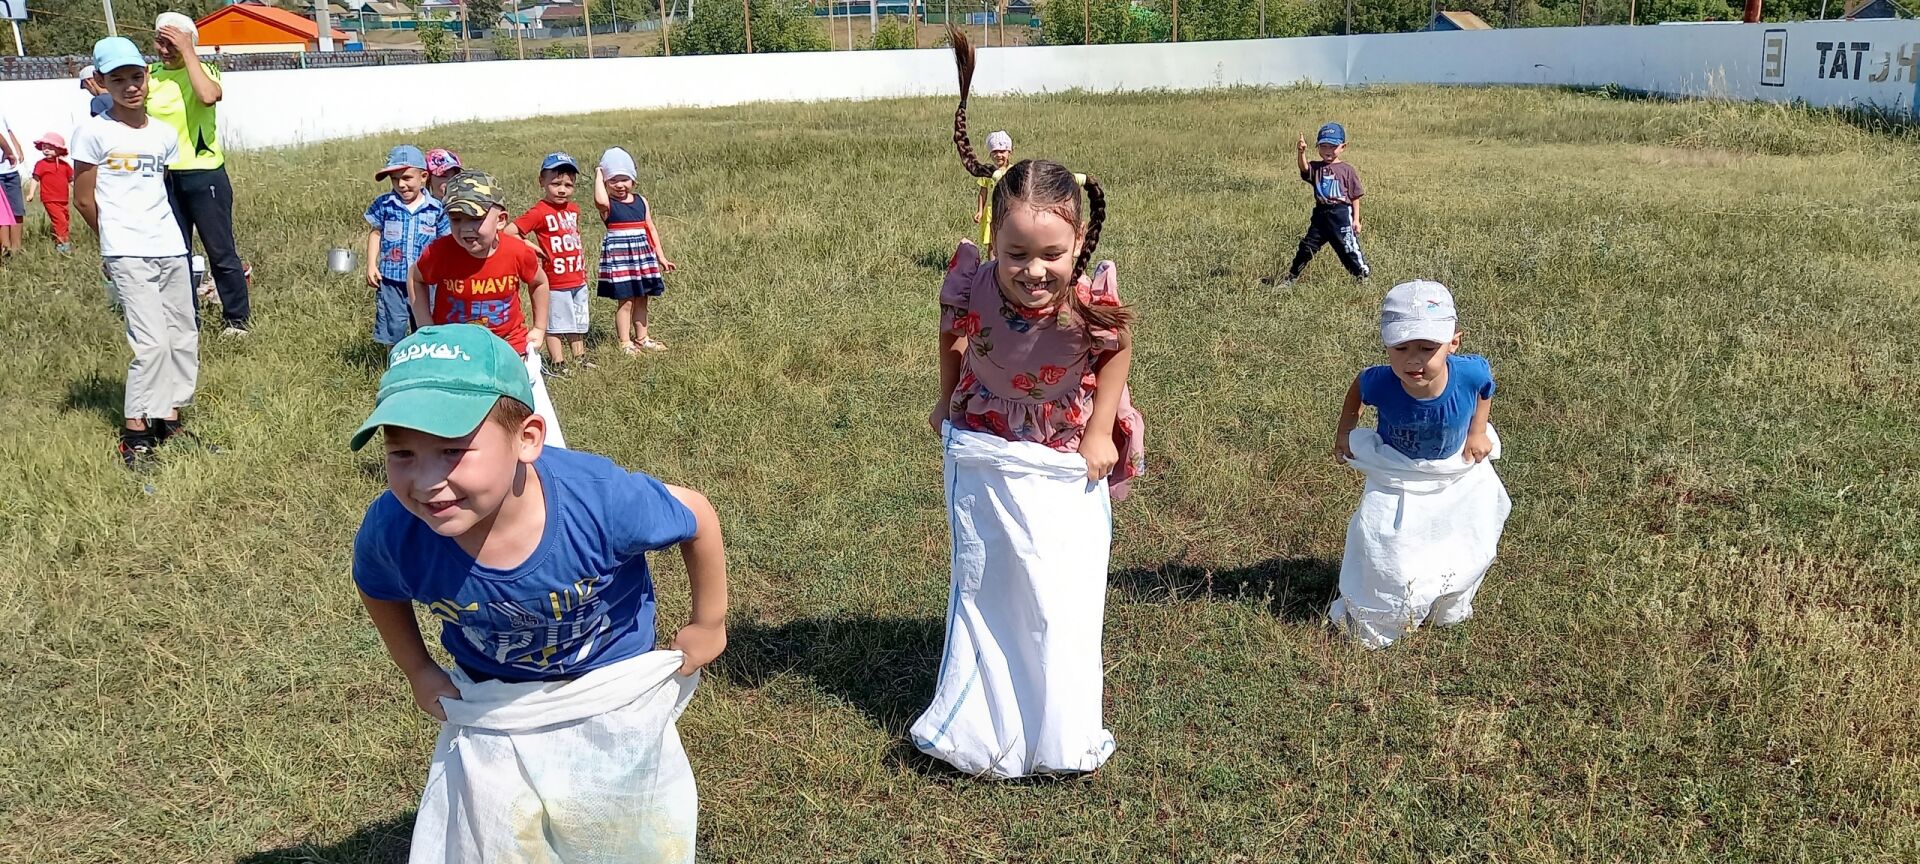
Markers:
point(632, 263)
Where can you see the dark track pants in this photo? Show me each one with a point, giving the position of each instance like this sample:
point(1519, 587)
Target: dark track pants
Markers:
point(1331, 224)
point(203, 200)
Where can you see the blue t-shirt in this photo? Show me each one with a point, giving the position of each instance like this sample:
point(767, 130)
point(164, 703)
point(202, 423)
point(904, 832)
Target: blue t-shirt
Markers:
point(1428, 428)
point(582, 600)
point(404, 231)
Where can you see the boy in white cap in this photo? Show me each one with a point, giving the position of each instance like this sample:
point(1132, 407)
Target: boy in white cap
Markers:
point(120, 189)
point(1000, 146)
point(1431, 516)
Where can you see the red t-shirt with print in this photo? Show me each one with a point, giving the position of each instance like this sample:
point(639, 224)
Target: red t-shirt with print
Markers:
point(480, 289)
point(556, 230)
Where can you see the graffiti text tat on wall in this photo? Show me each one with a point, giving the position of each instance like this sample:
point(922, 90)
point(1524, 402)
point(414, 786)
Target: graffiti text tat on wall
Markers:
point(1853, 60)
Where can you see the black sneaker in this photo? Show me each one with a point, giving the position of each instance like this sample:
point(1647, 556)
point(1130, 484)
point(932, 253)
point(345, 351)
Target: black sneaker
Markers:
point(137, 448)
point(162, 429)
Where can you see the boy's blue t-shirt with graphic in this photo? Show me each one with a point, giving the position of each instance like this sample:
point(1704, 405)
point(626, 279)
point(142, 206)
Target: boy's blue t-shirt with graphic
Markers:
point(1428, 428)
point(584, 598)
point(404, 231)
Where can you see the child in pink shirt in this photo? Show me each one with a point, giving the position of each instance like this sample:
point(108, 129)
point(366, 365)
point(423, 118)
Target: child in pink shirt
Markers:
point(1038, 432)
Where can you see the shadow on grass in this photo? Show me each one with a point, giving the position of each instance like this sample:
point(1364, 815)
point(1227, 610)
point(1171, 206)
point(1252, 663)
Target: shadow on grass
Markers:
point(383, 843)
point(933, 259)
point(1298, 589)
point(365, 355)
point(99, 396)
point(885, 667)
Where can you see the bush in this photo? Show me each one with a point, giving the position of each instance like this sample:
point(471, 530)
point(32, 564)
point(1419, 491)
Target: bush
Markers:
point(1113, 22)
point(778, 26)
point(434, 41)
point(504, 45)
point(894, 33)
point(559, 52)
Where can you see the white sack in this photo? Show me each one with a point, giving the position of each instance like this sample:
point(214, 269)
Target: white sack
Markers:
point(1422, 539)
point(569, 772)
point(542, 405)
point(1020, 680)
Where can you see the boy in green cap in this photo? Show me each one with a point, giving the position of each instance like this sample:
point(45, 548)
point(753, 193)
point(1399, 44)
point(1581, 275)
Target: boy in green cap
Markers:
point(534, 559)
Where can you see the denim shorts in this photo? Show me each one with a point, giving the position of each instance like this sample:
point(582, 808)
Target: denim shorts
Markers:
point(392, 317)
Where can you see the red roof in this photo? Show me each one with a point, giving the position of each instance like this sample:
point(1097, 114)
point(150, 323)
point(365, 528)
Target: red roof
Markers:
point(248, 24)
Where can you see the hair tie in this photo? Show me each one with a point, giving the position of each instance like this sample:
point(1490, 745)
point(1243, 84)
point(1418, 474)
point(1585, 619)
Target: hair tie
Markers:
point(1080, 180)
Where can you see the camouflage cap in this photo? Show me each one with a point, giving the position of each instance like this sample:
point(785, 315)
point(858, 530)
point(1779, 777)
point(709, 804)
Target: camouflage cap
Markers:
point(472, 193)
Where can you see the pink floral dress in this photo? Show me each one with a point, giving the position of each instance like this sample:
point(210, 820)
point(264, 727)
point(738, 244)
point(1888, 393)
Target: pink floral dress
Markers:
point(1028, 374)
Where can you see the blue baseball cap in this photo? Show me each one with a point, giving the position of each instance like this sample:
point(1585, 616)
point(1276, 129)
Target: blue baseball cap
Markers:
point(1333, 133)
point(559, 160)
point(401, 158)
point(115, 52)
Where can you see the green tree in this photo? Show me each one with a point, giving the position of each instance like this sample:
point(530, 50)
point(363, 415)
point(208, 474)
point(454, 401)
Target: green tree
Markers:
point(1112, 22)
point(483, 14)
point(778, 26)
point(57, 28)
point(435, 42)
point(504, 45)
point(628, 11)
point(893, 33)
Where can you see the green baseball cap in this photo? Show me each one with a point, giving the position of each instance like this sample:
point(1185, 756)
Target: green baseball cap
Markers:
point(472, 193)
point(444, 379)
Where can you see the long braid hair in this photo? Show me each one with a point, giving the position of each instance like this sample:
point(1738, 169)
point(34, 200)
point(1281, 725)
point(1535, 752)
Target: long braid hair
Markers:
point(963, 58)
point(1041, 184)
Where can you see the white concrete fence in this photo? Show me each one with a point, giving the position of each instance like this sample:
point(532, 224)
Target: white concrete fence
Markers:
point(1860, 64)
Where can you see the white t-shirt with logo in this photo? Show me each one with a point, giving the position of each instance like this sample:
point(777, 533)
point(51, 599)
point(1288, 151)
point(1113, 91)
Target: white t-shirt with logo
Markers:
point(131, 186)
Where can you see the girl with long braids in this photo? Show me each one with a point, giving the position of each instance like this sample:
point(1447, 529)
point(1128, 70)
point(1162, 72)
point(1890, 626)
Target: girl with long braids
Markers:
point(1039, 436)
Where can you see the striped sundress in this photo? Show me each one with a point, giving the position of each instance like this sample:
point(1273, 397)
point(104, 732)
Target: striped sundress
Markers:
point(629, 267)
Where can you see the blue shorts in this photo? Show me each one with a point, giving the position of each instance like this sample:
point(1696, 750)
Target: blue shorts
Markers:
point(392, 317)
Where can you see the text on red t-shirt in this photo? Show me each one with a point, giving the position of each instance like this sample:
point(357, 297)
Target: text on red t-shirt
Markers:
point(556, 230)
point(480, 289)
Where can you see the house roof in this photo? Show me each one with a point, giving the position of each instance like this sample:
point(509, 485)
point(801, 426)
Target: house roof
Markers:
point(390, 9)
point(265, 19)
point(1466, 20)
point(1855, 7)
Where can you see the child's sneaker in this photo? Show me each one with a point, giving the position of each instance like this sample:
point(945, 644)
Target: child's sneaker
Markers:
point(235, 331)
point(584, 363)
point(137, 448)
point(559, 370)
point(64, 248)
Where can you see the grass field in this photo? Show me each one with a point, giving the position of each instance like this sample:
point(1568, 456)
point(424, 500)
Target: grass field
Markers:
point(1698, 644)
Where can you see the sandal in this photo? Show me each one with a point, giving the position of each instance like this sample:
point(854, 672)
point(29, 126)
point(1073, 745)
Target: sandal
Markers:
point(630, 348)
point(654, 345)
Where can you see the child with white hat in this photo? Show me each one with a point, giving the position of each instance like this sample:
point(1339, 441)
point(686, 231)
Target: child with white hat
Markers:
point(1000, 146)
point(632, 263)
point(1430, 519)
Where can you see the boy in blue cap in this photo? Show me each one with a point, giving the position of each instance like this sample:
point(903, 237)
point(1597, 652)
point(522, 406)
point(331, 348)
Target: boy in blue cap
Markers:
point(1336, 205)
point(535, 560)
point(552, 226)
point(403, 221)
point(120, 189)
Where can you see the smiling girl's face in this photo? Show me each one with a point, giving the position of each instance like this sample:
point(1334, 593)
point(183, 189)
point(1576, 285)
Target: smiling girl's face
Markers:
point(1033, 252)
